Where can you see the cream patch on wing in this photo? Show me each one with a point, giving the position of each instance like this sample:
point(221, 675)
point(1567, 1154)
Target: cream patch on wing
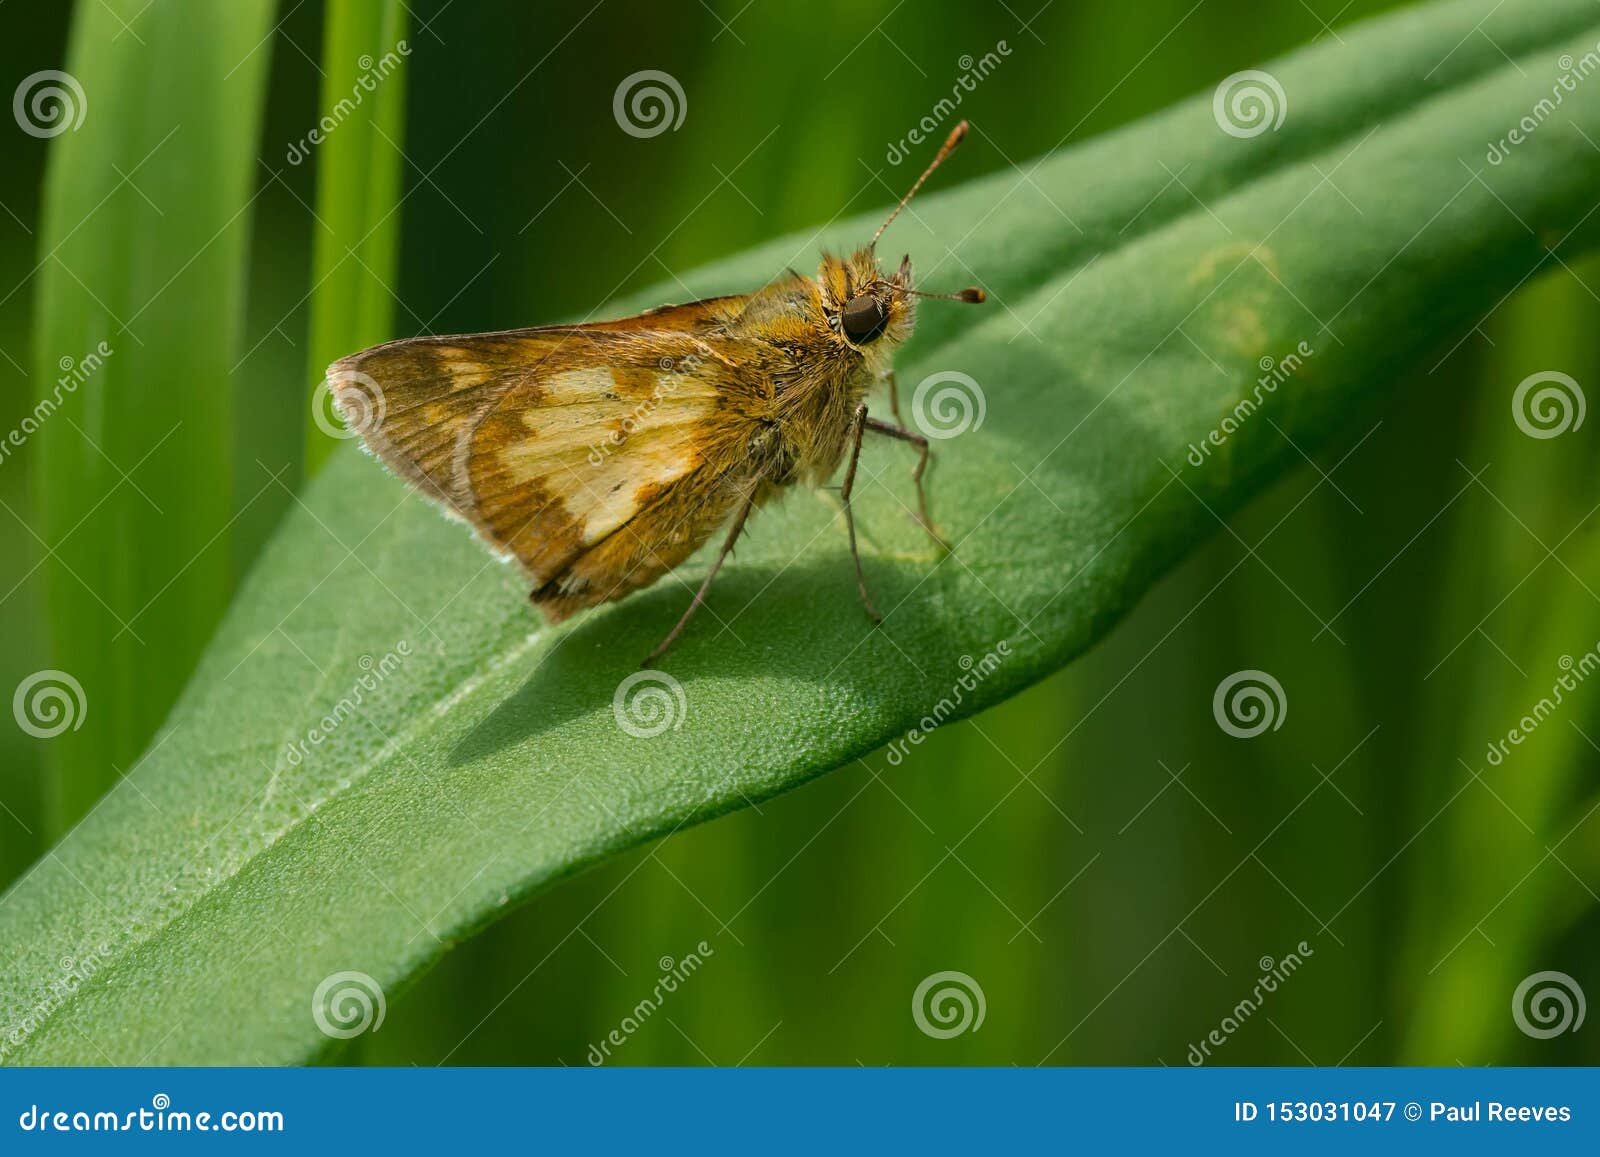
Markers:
point(601, 451)
point(591, 383)
point(461, 369)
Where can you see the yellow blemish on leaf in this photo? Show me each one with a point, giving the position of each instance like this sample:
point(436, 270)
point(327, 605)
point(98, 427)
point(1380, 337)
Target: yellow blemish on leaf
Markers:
point(1230, 259)
point(1241, 328)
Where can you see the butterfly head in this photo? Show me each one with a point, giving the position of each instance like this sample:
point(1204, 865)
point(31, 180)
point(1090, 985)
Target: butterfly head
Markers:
point(864, 306)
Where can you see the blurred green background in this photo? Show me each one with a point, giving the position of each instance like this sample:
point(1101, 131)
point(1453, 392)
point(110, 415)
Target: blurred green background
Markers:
point(1107, 864)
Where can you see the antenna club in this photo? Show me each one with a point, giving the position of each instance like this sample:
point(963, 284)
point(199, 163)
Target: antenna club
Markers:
point(956, 136)
point(973, 294)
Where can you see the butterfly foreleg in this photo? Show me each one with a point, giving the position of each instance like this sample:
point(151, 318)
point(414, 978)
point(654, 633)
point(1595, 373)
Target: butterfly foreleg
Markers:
point(857, 428)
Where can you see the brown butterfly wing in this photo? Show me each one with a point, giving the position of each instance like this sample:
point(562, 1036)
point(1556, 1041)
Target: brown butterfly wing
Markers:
point(588, 453)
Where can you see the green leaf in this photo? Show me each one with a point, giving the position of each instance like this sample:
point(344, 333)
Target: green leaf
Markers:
point(383, 748)
point(141, 290)
point(357, 146)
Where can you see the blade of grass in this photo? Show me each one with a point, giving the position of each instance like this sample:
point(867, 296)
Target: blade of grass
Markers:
point(1497, 887)
point(145, 219)
point(357, 145)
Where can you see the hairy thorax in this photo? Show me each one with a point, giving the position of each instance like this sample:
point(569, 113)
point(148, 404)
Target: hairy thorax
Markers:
point(815, 417)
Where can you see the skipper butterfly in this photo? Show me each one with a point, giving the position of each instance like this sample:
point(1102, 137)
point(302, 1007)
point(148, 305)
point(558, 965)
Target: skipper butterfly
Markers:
point(600, 456)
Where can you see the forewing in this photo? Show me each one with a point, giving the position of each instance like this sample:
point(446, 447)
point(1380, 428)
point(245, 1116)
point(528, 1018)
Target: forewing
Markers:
point(556, 443)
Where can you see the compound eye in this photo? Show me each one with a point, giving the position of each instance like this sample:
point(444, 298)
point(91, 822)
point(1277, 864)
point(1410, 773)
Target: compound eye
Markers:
point(862, 318)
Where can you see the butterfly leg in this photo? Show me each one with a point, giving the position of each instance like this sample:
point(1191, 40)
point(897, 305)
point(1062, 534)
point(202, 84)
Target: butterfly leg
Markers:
point(921, 444)
point(705, 584)
point(860, 426)
point(894, 400)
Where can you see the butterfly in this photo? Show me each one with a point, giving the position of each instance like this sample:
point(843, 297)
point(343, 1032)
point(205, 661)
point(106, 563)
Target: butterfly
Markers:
point(600, 456)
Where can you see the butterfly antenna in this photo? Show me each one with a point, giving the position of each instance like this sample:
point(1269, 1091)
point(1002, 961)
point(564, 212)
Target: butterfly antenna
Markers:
point(971, 294)
point(950, 143)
